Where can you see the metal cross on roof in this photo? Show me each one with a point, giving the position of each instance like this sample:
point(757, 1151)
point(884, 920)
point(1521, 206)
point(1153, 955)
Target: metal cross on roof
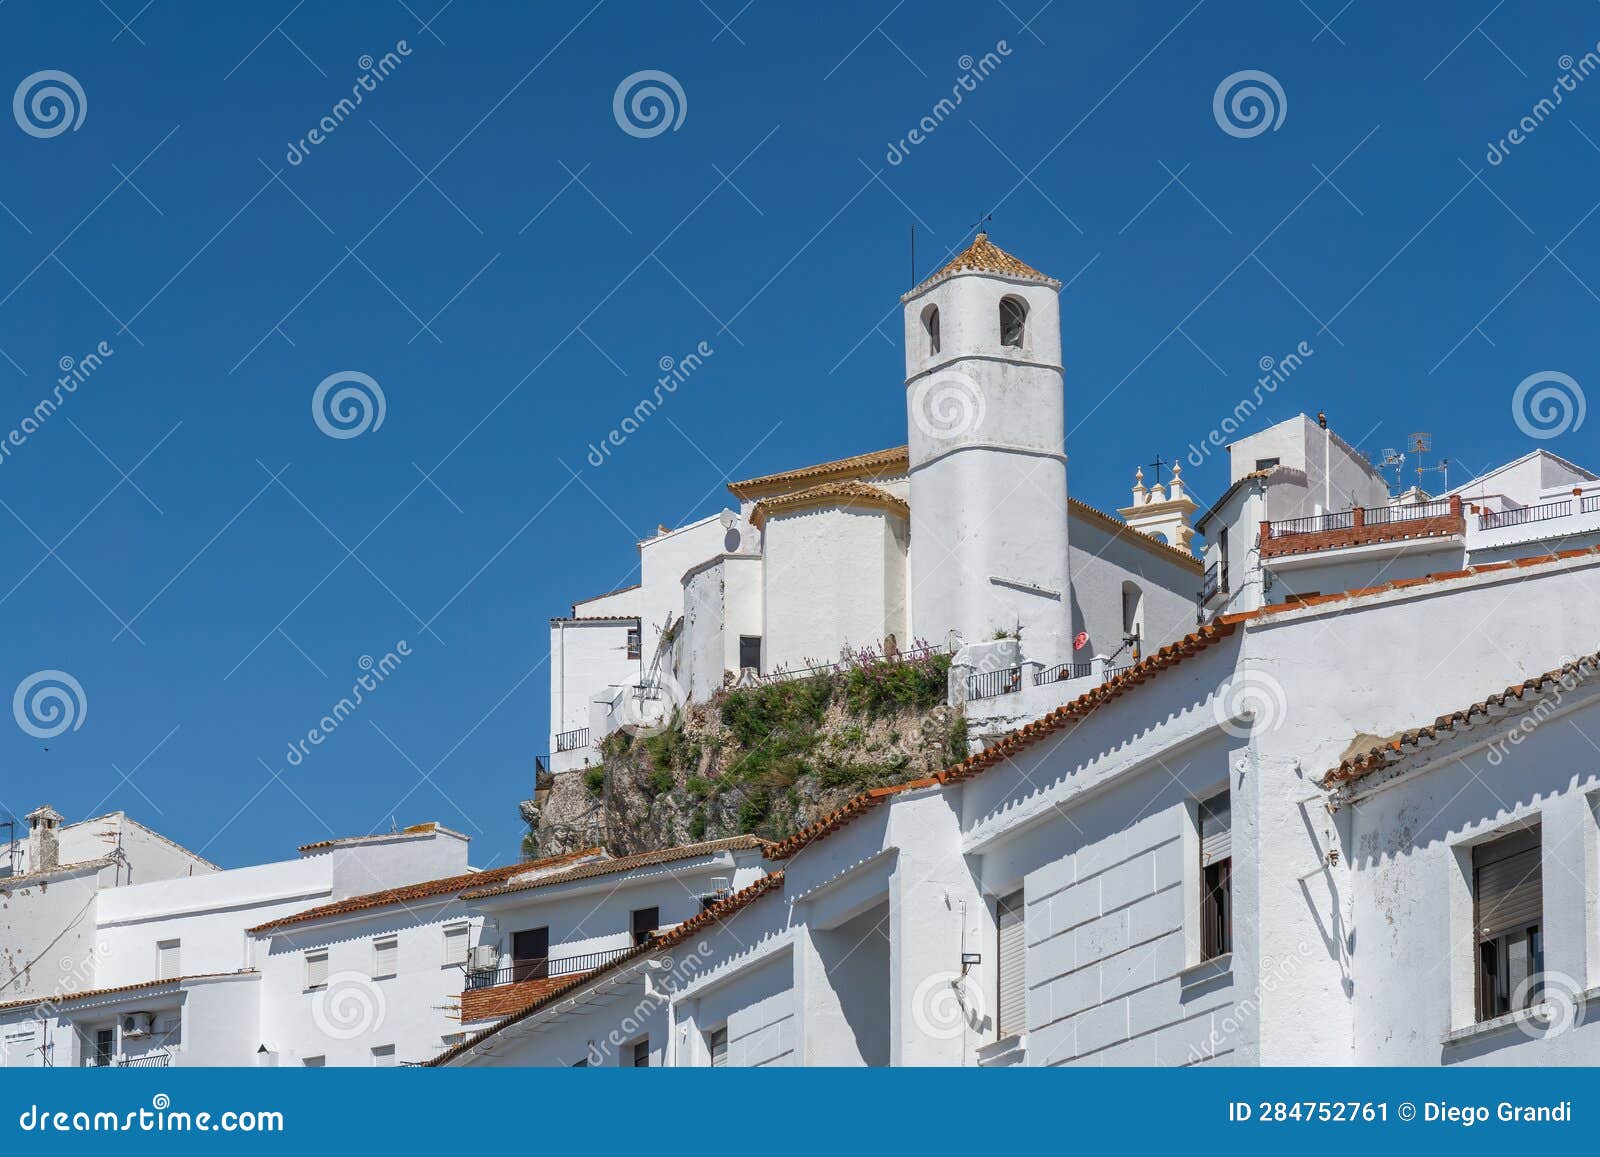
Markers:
point(1157, 465)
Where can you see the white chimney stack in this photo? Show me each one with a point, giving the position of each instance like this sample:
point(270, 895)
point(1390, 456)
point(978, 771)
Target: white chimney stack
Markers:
point(44, 834)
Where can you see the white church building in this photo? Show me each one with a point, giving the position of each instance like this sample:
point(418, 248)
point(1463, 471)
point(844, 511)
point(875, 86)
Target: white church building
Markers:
point(1326, 794)
point(963, 539)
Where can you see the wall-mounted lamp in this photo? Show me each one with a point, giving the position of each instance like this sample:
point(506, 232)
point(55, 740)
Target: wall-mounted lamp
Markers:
point(969, 960)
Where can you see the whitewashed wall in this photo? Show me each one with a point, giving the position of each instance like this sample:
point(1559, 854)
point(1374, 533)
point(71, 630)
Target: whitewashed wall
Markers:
point(833, 577)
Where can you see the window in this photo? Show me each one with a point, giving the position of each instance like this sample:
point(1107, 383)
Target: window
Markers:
point(641, 1053)
point(320, 1062)
point(316, 970)
point(645, 921)
point(383, 1056)
point(930, 322)
point(1132, 618)
point(385, 957)
point(105, 1049)
point(530, 954)
point(1012, 315)
point(1216, 876)
point(750, 652)
point(634, 647)
point(1222, 559)
point(1266, 463)
point(167, 960)
point(1012, 966)
point(717, 1042)
point(1507, 914)
point(456, 937)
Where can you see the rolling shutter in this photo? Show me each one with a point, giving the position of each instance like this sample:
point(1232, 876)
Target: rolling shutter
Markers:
point(167, 960)
point(1216, 829)
point(1012, 965)
point(385, 957)
point(316, 970)
point(719, 1047)
point(455, 943)
point(1508, 893)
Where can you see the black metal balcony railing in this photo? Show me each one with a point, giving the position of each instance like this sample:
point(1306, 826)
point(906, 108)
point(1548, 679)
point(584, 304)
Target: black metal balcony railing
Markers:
point(541, 968)
point(1522, 515)
point(1215, 581)
point(1063, 671)
point(148, 1061)
point(988, 684)
point(1590, 504)
point(1407, 512)
point(1315, 524)
point(572, 740)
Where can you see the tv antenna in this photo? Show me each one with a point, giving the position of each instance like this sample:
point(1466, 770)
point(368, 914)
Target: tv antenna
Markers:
point(1396, 460)
point(1421, 444)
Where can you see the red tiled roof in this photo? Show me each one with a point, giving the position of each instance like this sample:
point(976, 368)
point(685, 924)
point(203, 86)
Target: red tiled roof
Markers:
point(876, 464)
point(413, 830)
point(621, 864)
point(60, 998)
point(420, 891)
point(847, 494)
point(712, 915)
point(983, 256)
point(1517, 696)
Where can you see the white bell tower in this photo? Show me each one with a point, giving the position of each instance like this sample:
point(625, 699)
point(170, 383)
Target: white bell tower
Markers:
point(987, 435)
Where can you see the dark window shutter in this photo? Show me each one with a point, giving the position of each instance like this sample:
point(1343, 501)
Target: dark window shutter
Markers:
point(1216, 829)
point(1508, 893)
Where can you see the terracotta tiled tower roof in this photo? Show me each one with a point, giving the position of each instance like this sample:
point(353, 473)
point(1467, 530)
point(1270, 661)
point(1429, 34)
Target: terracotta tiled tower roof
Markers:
point(984, 256)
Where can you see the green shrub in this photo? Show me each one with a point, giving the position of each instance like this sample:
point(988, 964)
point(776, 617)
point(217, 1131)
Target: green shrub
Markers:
point(698, 786)
point(886, 685)
point(697, 825)
point(661, 781)
point(595, 779)
point(754, 809)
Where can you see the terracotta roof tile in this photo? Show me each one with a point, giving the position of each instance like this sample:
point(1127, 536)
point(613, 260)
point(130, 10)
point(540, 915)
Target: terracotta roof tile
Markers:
point(983, 256)
point(1407, 743)
point(60, 998)
point(422, 890)
point(849, 493)
point(673, 937)
point(620, 864)
point(876, 464)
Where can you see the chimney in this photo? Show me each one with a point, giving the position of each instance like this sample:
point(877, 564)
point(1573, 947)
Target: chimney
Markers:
point(44, 835)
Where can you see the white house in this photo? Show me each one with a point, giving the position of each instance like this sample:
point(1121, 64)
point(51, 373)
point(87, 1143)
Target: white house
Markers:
point(1356, 827)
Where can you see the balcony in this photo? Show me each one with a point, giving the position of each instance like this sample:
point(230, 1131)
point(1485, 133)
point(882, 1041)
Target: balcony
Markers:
point(1523, 515)
point(990, 684)
point(1062, 671)
point(1363, 527)
point(572, 740)
point(491, 992)
point(1215, 581)
point(159, 1060)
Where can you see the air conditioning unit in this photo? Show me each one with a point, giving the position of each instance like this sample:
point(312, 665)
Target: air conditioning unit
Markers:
point(484, 957)
point(135, 1025)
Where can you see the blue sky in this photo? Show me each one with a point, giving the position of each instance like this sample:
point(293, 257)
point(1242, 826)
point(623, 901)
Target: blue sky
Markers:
point(482, 239)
